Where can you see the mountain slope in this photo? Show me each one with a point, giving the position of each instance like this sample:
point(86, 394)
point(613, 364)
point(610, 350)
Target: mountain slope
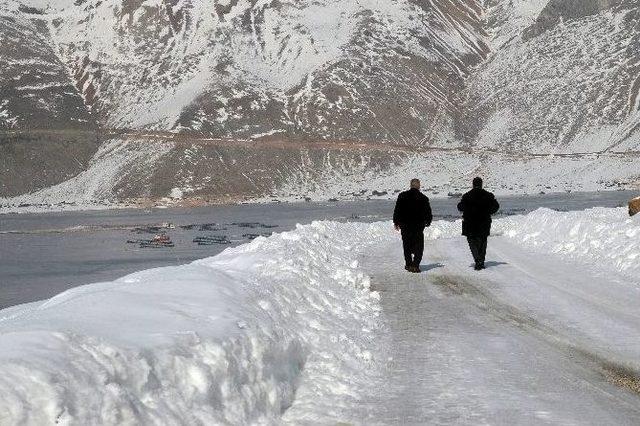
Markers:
point(241, 69)
point(46, 132)
point(566, 81)
point(228, 99)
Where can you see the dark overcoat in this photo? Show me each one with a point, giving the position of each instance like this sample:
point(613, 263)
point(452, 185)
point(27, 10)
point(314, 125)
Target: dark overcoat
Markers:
point(413, 210)
point(477, 206)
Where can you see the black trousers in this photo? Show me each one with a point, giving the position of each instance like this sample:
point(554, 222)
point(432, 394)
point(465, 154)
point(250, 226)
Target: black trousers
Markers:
point(478, 246)
point(413, 245)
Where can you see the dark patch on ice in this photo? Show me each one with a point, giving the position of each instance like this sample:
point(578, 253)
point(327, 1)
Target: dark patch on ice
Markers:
point(203, 227)
point(151, 243)
point(150, 229)
point(208, 240)
point(252, 225)
point(511, 211)
point(252, 236)
point(211, 227)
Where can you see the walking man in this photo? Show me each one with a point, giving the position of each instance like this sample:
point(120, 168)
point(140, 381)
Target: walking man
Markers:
point(477, 206)
point(410, 216)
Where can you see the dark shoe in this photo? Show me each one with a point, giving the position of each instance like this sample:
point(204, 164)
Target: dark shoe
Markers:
point(408, 268)
point(477, 267)
point(416, 269)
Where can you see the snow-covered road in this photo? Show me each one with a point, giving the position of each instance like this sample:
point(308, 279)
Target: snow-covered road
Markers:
point(533, 339)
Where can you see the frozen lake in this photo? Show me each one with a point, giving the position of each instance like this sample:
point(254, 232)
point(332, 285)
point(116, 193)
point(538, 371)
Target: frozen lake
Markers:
point(44, 254)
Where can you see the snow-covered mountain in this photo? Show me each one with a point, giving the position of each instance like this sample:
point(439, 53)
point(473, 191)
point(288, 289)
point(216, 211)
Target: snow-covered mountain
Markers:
point(245, 68)
point(564, 76)
point(230, 99)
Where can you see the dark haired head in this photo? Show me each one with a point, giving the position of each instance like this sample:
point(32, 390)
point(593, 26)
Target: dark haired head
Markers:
point(477, 182)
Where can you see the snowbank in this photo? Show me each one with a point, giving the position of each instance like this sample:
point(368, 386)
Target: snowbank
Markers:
point(602, 236)
point(284, 323)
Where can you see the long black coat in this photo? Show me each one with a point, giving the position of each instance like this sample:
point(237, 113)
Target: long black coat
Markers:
point(477, 206)
point(412, 210)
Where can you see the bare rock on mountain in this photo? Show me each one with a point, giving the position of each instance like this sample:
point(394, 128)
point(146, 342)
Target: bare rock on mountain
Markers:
point(634, 206)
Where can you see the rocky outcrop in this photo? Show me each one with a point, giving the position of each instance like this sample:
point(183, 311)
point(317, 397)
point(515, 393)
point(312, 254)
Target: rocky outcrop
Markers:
point(634, 206)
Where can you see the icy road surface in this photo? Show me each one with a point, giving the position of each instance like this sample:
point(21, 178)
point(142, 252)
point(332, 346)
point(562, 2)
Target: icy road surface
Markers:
point(533, 339)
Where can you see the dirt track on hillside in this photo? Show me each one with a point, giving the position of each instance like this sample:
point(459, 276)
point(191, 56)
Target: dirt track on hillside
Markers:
point(274, 142)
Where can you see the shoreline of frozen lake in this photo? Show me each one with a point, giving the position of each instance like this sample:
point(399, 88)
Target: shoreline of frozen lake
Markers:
point(43, 254)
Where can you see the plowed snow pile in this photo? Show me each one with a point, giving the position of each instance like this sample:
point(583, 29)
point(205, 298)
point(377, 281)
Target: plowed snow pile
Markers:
point(230, 339)
point(602, 236)
point(284, 329)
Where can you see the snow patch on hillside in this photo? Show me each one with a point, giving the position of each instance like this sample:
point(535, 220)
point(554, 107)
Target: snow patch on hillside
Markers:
point(496, 131)
point(510, 17)
point(7, 119)
point(569, 88)
point(451, 172)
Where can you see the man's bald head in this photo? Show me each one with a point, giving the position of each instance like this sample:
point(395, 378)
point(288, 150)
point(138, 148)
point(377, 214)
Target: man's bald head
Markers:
point(415, 183)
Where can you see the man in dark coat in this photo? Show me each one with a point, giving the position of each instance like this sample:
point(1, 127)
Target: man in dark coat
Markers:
point(411, 215)
point(477, 206)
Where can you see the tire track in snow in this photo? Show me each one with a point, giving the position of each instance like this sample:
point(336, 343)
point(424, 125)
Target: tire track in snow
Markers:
point(476, 294)
point(461, 355)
